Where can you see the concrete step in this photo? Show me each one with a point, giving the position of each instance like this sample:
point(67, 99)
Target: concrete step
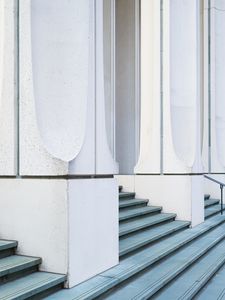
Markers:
point(127, 214)
point(215, 288)
point(15, 266)
point(153, 234)
point(132, 203)
point(133, 265)
point(206, 196)
point(145, 284)
point(190, 282)
point(126, 195)
point(7, 248)
point(213, 210)
point(36, 284)
point(145, 222)
point(211, 202)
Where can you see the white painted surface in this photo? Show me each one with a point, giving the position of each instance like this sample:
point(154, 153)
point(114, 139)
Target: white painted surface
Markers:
point(217, 86)
point(34, 158)
point(181, 147)
point(105, 163)
point(93, 227)
point(60, 62)
point(95, 156)
point(126, 115)
point(149, 157)
point(7, 88)
point(127, 181)
point(34, 212)
point(183, 80)
point(178, 194)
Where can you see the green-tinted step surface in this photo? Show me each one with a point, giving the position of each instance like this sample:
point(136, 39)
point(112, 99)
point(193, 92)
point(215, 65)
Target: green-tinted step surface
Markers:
point(30, 285)
point(4, 244)
point(144, 285)
point(16, 263)
point(137, 212)
point(213, 210)
point(215, 288)
point(127, 195)
point(132, 202)
point(211, 202)
point(144, 222)
point(187, 285)
point(139, 239)
point(145, 258)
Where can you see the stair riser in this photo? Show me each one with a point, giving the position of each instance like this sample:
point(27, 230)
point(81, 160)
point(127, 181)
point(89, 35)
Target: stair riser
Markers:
point(139, 215)
point(128, 232)
point(17, 275)
point(159, 237)
point(7, 252)
point(122, 206)
point(211, 205)
point(214, 214)
point(127, 197)
point(201, 284)
point(96, 293)
point(171, 276)
point(46, 293)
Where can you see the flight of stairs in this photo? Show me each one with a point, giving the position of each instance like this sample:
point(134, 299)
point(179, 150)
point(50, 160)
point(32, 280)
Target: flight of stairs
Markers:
point(20, 278)
point(160, 258)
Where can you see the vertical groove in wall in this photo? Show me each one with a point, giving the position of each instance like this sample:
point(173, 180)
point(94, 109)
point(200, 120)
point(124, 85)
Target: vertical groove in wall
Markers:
point(209, 85)
point(161, 86)
point(17, 89)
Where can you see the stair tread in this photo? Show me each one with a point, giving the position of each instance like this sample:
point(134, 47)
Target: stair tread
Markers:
point(215, 209)
point(135, 212)
point(136, 262)
point(30, 285)
point(146, 236)
point(210, 202)
point(147, 283)
point(144, 222)
point(126, 195)
point(215, 287)
point(132, 202)
point(193, 279)
point(5, 244)
point(15, 263)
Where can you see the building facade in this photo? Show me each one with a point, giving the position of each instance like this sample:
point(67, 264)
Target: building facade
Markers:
point(97, 93)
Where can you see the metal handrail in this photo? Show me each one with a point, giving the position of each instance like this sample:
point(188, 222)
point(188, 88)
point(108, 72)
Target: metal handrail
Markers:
point(221, 190)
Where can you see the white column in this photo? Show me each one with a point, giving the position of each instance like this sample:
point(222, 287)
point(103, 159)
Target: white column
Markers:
point(35, 158)
point(217, 36)
point(181, 86)
point(8, 88)
point(149, 158)
point(180, 140)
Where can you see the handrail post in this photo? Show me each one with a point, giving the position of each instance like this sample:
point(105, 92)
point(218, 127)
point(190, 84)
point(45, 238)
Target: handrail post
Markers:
point(221, 202)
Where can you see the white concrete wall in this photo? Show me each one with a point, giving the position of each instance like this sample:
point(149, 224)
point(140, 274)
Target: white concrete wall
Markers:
point(93, 227)
point(34, 212)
